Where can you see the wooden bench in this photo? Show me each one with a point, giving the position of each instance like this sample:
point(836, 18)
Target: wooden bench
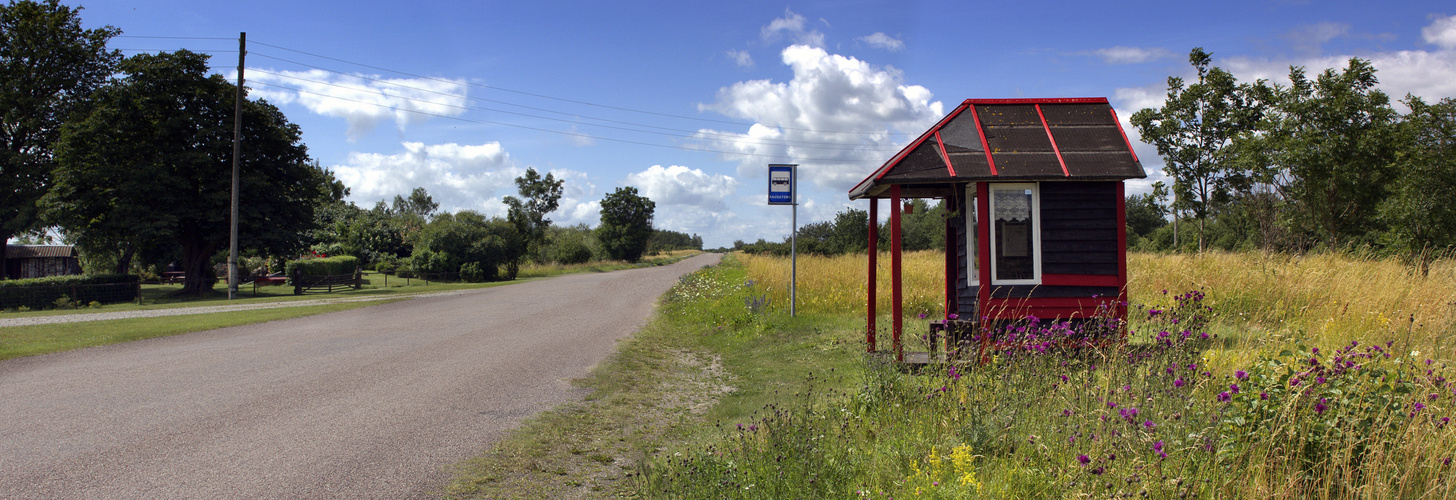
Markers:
point(174, 277)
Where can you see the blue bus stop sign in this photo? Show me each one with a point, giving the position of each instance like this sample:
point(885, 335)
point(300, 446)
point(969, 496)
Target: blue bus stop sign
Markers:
point(781, 184)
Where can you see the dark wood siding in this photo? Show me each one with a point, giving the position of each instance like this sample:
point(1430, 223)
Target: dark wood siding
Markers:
point(1079, 228)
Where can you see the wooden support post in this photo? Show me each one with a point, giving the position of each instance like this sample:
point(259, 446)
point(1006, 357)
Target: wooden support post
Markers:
point(950, 266)
point(874, 253)
point(896, 321)
point(983, 266)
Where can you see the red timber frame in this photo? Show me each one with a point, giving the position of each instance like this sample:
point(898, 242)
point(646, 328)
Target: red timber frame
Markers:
point(873, 272)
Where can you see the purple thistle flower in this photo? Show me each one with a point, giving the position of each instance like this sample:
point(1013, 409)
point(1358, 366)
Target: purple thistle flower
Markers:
point(953, 316)
point(1234, 388)
point(1319, 408)
point(1084, 459)
point(1223, 396)
point(1178, 383)
point(1319, 379)
point(1148, 425)
point(1263, 395)
point(1241, 375)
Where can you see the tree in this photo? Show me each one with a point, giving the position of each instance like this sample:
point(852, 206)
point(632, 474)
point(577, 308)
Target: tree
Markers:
point(626, 224)
point(419, 204)
point(152, 163)
point(1145, 212)
point(1332, 139)
point(539, 196)
point(1419, 212)
point(1195, 132)
point(452, 241)
point(48, 68)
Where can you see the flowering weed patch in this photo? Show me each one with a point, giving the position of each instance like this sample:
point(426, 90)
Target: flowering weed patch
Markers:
point(1164, 414)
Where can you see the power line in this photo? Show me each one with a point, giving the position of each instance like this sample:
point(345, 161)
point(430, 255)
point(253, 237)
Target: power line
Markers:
point(543, 96)
point(585, 136)
point(694, 134)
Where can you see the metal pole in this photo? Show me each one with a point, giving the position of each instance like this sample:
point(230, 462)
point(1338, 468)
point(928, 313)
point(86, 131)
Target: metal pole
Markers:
point(794, 261)
point(237, 150)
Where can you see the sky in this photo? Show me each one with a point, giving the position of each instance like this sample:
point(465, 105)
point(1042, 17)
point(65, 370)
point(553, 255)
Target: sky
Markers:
point(689, 102)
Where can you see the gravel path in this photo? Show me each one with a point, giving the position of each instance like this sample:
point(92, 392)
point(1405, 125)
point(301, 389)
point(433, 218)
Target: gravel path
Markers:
point(375, 402)
point(181, 311)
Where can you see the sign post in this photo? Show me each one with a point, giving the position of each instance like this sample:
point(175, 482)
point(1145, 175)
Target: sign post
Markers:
point(783, 188)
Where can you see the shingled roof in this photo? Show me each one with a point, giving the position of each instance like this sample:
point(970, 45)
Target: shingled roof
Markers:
point(38, 251)
point(1011, 140)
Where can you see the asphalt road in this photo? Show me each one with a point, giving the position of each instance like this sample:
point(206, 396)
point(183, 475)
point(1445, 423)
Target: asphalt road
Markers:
point(376, 402)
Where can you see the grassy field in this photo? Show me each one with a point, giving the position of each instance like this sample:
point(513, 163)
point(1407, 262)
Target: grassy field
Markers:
point(1252, 376)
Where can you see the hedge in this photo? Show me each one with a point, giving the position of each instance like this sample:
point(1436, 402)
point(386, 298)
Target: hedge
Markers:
point(41, 293)
point(344, 264)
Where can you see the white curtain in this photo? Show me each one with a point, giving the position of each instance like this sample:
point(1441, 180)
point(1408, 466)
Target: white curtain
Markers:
point(1011, 204)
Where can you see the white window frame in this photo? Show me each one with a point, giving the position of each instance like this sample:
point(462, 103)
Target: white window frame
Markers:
point(973, 253)
point(1035, 233)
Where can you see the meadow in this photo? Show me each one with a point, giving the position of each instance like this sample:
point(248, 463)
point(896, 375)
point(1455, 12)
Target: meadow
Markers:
point(1246, 375)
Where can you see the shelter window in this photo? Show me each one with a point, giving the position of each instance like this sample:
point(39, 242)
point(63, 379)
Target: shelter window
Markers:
point(1015, 234)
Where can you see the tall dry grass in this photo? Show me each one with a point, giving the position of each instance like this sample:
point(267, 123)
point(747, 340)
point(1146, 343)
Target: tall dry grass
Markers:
point(1331, 298)
point(837, 285)
point(1267, 300)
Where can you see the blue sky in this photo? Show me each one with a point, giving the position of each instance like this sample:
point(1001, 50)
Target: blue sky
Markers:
point(689, 102)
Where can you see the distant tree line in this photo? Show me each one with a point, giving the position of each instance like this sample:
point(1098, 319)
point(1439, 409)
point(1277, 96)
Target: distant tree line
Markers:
point(922, 227)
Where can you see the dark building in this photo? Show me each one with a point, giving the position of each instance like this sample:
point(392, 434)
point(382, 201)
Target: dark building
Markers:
point(38, 261)
point(1036, 186)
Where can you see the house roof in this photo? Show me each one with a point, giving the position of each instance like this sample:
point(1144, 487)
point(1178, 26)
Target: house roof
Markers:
point(38, 251)
point(1011, 140)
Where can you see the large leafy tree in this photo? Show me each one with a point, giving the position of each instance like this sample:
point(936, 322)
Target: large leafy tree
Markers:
point(1419, 210)
point(48, 67)
point(152, 162)
point(626, 224)
point(1195, 132)
point(539, 197)
point(1331, 140)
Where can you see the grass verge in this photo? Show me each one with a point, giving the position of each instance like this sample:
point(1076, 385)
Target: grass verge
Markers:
point(44, 339)
point(716, 352)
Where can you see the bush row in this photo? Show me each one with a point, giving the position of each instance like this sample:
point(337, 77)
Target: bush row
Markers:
point(40, 293)
point(344, 264)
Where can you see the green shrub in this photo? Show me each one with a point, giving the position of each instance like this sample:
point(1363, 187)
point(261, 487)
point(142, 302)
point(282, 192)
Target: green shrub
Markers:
point(345, 264)
point(572, 251)
point(471, 272)
point(40, 293)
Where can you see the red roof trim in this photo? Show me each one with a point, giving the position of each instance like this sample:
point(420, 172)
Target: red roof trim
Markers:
point(889, 165)
point(1054, 100)
point(1123, 132)
point(943, 155)
point(1053, 140)
point(984, 145)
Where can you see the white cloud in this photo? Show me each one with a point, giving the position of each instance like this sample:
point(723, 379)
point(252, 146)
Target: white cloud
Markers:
point(580, 202)
point(1430, 75)
point(361, 100)
point(883, 41)
point(1441, 33)
point(1131, 55)
point(679, 185)
point(741, 58)
point(791, 25)
point(688, 199)
point(839, 117)
point(1309, 38)
point(457, 177)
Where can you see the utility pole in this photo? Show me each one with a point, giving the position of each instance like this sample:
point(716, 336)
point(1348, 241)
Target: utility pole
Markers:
point(237, 150)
